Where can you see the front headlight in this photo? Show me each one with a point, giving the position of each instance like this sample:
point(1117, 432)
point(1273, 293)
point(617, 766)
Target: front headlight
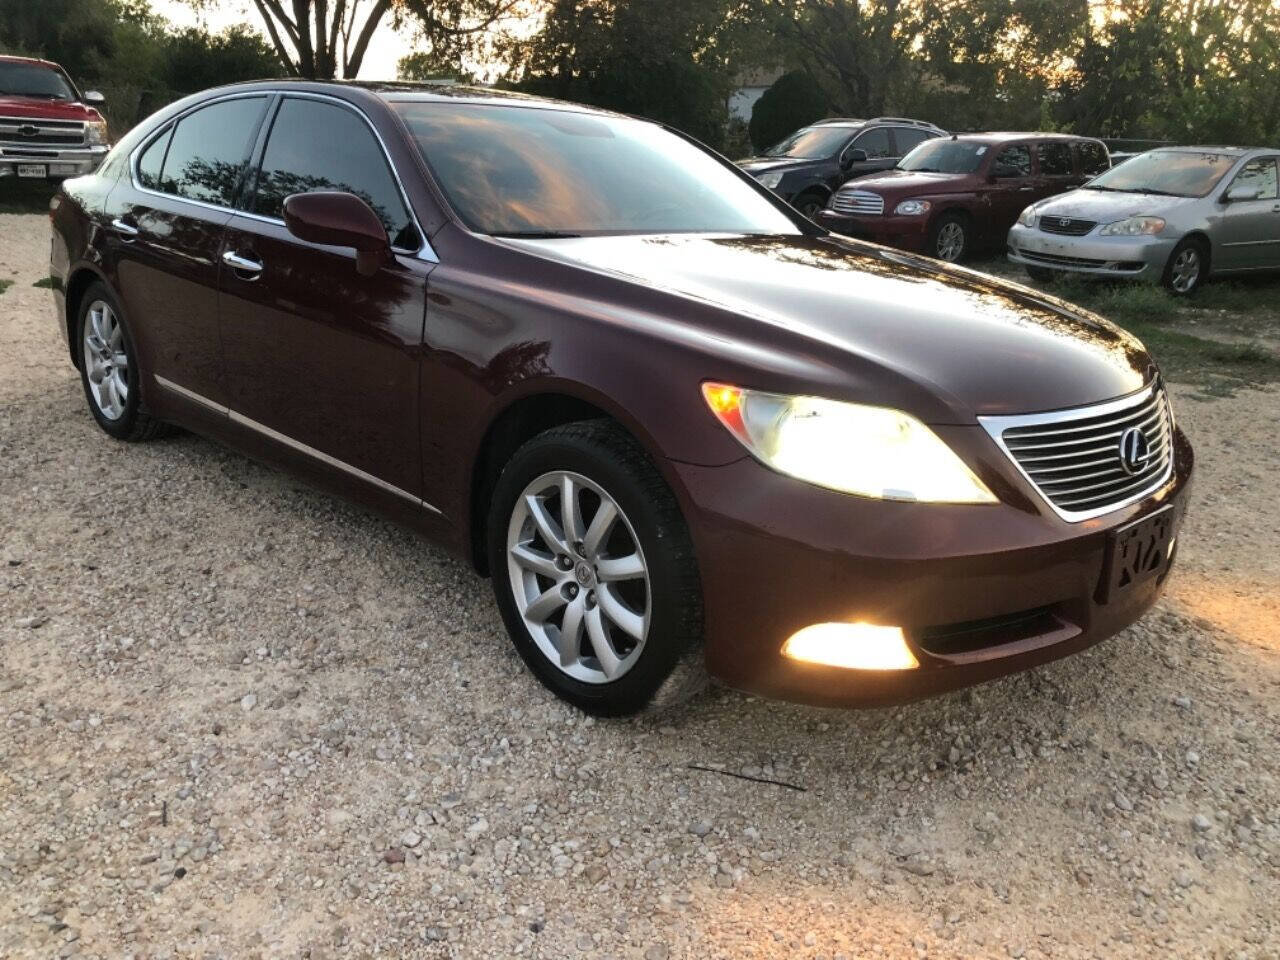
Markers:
point(770, 180)
point(868, 451)
point(912, 208)
point(1028, 217)
point(96, 132)
point(1133, 227)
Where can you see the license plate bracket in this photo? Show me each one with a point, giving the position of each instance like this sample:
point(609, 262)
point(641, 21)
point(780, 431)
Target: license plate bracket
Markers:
point(1138, 552)
point(34, 171)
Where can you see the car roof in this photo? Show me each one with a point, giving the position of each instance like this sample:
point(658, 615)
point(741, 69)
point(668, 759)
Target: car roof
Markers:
point(1003, 136)
point(6, 58)
point(1209, 148)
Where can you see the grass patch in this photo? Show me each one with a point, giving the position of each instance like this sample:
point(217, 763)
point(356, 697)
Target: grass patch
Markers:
point(5, 285)
point(44, 283)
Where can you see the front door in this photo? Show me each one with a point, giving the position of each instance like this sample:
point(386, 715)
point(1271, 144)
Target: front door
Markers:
point(1012, 186)
point(318, 357)
point(1249, 235)
point(166, 220)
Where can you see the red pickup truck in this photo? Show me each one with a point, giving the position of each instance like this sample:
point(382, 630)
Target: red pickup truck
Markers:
point(48, 129)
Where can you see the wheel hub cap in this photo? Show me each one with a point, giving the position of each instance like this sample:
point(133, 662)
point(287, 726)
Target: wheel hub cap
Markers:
point(106, 362)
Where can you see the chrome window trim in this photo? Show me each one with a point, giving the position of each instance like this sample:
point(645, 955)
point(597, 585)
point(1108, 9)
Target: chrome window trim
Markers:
point(261, 428)
point(997, 425)
point(424, 252)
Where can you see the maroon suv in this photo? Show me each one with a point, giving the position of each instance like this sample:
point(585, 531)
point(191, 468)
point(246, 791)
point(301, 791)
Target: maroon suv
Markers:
point(951, 196)
point(685, 430)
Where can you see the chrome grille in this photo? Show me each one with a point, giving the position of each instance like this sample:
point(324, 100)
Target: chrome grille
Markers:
point(858, 201)
point(1067, 226)
point(16, 130)
point(1075, 457)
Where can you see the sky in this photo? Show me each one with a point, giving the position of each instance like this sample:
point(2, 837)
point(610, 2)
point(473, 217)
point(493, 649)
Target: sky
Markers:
point(385, 49)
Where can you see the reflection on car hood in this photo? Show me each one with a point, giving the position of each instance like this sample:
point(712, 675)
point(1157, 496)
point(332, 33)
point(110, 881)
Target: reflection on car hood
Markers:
point(1105, 206)
point(979, 345)
point(758, 165)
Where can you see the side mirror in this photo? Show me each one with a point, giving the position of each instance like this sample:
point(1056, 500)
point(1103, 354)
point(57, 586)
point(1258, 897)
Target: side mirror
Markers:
point(93, 98)
point(852, 157)
point(1243, 191)
point(339, 219)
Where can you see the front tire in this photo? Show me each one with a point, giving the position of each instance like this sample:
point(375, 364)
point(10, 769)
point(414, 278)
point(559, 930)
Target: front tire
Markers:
point(809, 204)
point(594, 572)
point(949, 238)
point(1188, 267)
point(109, 372)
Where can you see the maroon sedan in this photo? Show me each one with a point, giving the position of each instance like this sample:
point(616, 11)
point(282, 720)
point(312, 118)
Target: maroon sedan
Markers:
point(685, 430)
point(951, 196)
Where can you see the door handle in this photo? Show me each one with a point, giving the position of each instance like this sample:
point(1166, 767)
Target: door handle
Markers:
point(242, 264)
point(1025, 189)
point(126, 230)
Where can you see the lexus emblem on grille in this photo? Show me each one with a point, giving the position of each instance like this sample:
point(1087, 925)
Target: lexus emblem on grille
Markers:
point(28, 130)
point(1135, 451)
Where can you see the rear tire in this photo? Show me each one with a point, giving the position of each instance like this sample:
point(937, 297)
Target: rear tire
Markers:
point(1188, 267)
point(109, 372)
point(949, 238)
point(609, 621)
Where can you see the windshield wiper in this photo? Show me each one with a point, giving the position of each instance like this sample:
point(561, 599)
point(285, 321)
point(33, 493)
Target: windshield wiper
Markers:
point(1155, 192)
point(536, 234)
point(1092, 186)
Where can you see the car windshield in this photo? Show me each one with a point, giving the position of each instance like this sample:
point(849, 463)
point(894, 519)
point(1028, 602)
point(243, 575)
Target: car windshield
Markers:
point(944, 156)
point(812, 143)
point(33, 80)
point(538, 172)
point(1175, 173)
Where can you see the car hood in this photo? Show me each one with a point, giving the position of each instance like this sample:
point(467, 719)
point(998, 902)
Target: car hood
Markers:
point(906, 182)
point(1104, 206)
point(46, 109)
point(971, 344)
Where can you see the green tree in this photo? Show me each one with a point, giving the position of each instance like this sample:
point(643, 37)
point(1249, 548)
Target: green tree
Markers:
point(794, 100)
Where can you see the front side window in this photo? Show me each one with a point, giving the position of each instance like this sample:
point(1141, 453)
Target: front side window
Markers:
point(1055, 159)
point(1260, 174)
point(945, 156)
point(534, 171)
point(875, 143)
point(209, 151)
point(314, 145)
point(1015, 161)
point(1174, 173)
point(34, 81)
point(1093, 158)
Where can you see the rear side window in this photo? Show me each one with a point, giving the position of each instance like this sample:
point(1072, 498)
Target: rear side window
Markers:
point(908, 138)
point(1055, 159)
point(1013, 162)
point(152, 159)
point(875, 143)
point(1093, 158)
point(209, 150)
point(315, 145)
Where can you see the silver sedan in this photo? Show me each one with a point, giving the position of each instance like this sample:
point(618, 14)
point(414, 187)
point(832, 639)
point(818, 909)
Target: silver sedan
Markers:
point(1175, 215)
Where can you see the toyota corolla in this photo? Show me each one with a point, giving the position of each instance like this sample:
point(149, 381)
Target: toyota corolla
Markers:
point(685, 431)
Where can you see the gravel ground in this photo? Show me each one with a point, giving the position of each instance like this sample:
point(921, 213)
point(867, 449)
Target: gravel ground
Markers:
point(240, 718)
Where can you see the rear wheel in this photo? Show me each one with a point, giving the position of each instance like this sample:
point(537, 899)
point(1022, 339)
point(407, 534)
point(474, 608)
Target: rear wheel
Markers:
point(949, 238)
point(1188, 267)
point(594, 571)
point(109, 369)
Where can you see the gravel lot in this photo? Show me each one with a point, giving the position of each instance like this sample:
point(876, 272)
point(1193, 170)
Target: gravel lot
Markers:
point(240, 718)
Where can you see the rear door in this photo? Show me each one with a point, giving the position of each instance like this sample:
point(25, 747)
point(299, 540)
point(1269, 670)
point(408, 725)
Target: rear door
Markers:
point(1057, 169)
point(1249, 233)
point(167, 216)
point(319, 358)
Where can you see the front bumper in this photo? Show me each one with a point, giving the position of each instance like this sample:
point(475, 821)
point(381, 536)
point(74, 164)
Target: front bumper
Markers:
point(905, 233)
point(1019, 585)
point(1143, 257)
point(59, 162)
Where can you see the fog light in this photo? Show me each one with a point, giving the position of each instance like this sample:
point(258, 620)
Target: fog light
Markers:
point(856, 646)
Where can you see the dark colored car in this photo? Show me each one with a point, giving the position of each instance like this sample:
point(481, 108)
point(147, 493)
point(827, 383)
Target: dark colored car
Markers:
point(951, 196)
point(809, 165)
point(684, 429)
point(48, 128)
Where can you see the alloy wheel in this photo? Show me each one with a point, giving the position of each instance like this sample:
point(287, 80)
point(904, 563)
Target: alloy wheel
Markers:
point(106, 360)
point(581, 585)
point(950, 241)
point(1185, 272)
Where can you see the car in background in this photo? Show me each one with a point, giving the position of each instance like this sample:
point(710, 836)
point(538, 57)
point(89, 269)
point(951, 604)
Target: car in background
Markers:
point(48, 128)
point(951, 196)
point(806, 167)
point(1176, 215)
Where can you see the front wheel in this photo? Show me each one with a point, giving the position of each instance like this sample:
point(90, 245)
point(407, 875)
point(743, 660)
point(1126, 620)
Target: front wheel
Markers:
point(1187, 268)
point(809, 204)
point(594, 571)
point(949, 238)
